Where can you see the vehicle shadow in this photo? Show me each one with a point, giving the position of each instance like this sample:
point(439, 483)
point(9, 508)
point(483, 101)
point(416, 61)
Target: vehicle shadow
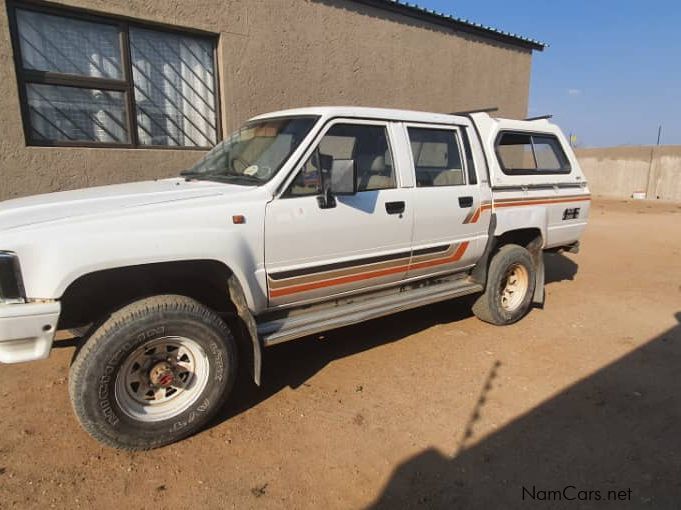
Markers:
point(616, 430)
point(559, 267)
point(292, 364)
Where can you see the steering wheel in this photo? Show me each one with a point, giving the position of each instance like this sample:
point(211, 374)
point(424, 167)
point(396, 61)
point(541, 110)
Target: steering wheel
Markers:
point(264, 172)
point(241, 161)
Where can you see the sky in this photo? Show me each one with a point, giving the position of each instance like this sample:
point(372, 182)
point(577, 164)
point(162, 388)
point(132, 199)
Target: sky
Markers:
point(612, 72)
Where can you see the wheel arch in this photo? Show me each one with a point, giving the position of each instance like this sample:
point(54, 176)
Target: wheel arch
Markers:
point(530, 238)
point(91, 297)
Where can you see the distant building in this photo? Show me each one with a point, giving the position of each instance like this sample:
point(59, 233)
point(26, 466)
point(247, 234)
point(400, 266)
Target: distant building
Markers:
point(103, 92)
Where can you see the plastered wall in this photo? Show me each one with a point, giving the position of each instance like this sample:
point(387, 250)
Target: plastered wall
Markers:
point(276, 54)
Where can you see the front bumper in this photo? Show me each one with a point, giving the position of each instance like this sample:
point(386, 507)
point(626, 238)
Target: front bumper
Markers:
point(27, 330)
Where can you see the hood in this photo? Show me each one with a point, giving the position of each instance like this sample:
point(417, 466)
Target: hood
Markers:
point(33, 210)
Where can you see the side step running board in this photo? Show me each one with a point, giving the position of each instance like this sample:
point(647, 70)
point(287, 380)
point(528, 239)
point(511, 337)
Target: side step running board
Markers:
point(289, 328)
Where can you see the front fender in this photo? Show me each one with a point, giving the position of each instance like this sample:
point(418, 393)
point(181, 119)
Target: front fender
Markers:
point(52, 259)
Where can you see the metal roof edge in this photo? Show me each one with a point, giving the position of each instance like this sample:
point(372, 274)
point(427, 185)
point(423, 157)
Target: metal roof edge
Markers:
point(450, 21)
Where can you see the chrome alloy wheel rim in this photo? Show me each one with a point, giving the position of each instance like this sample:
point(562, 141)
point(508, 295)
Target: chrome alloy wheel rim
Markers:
point(161, 378)
point(514, 287)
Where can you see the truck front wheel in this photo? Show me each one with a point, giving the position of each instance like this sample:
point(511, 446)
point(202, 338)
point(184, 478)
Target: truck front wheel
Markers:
point(510, 285)
point(155, 372)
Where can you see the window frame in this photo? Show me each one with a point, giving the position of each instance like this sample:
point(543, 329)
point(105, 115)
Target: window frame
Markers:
point(463, 155)
point(566, 166)
point(314, 144)
point(471, 168)
point(125, 85)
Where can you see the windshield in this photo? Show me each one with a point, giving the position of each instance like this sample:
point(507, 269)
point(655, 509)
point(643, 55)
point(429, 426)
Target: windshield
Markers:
point(255, 153)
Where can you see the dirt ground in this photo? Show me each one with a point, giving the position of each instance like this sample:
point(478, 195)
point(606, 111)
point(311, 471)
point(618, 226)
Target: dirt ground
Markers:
point(429, 408)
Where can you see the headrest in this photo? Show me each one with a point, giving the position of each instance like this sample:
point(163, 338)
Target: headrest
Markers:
point(371, 163)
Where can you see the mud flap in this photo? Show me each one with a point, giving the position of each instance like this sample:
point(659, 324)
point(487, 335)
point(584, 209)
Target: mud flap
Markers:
point(248, 323)
point(538, 298)
point(479, 273)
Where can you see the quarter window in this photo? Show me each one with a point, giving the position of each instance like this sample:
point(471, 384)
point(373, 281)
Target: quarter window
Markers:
point(92, 81)
point(526, 154)
point(365, 145)
point(437, 159)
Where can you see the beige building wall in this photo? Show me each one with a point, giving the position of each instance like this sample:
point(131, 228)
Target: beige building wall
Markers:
point(617, 172)
point(276, 54)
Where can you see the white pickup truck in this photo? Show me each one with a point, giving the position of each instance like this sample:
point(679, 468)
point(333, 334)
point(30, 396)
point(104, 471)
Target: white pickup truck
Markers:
point(302, 221)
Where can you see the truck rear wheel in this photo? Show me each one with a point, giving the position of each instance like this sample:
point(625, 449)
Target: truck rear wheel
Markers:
point(510, 285)
point(155, 372)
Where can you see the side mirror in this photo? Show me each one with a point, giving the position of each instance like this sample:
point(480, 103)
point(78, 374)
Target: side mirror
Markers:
point(339, 177)
point(344, 177)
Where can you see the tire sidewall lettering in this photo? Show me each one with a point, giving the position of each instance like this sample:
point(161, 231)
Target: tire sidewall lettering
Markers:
point(108, 378)
point(191, 417)
point(218, 361)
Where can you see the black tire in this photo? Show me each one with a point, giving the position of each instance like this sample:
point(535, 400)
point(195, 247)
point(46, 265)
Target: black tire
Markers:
point(97, 373)
point(489, 306)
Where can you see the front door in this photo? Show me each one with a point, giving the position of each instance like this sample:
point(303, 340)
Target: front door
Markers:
point(451, 219)
point(362, 242)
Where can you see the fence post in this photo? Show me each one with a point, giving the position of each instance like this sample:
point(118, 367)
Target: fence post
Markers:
point(650, 189)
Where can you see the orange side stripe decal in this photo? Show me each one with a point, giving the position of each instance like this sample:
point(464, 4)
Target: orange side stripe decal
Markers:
point(541, 202)
point(478, 213)
point(368, 275)
point(335, 281)
point(518, 203)
point(446, 260)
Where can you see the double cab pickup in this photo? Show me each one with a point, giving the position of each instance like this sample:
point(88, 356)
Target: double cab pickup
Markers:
point(301, 221)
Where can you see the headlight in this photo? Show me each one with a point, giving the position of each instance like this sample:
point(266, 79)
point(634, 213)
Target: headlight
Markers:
point(11, 284)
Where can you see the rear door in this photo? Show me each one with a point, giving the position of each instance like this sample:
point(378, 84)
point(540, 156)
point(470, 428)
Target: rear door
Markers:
point(451, 211)
point(362, 242)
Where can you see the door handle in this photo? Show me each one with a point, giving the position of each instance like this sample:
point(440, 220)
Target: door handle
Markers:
point(394, 207)
point(465, 202)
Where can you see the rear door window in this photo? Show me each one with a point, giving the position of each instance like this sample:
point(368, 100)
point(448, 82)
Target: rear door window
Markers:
point(437, 158)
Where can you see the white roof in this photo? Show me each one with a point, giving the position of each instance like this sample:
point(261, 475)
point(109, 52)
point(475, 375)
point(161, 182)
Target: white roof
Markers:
point(363, 112)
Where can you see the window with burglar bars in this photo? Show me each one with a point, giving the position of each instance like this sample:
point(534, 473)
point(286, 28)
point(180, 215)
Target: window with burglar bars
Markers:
point(91, 81)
